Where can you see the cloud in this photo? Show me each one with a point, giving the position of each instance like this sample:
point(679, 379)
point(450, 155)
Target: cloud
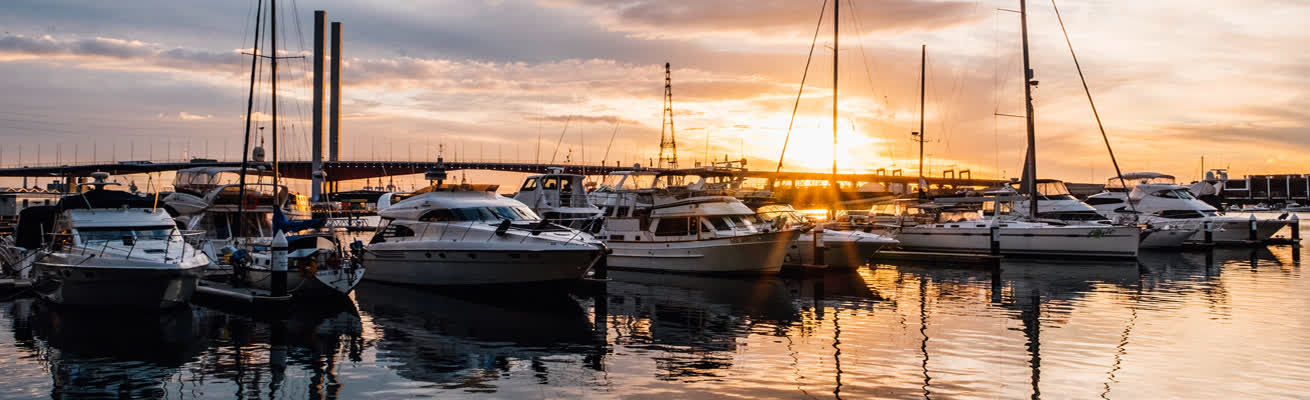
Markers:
point(767, 18)
point(186, 116)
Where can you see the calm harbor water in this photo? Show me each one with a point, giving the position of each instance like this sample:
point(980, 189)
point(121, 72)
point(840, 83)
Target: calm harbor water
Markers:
point(1228, 324)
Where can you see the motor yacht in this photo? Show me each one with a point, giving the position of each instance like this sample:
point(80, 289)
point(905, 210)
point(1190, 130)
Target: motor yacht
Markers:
point(239, 229)
point(933, 227)
point(1154, 198)
point(105, 248)
point(453, 235)
point(653, 222)
point(842, 248)
point(560, 198)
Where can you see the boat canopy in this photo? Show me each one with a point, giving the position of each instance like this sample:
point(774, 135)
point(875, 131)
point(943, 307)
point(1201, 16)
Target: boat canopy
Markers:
point(215, 176)
point(1132, 179)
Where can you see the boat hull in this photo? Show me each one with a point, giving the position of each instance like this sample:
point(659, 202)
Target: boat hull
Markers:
point(1166, 238)
point(755, 254)
point(325, 282)
point(115, 287)
point(438, 267)
point(836, 253)
point(1107, 242)
point(1236, 230)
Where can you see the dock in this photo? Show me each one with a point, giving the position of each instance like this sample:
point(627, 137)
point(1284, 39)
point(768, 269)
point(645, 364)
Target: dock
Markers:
point(221, 295)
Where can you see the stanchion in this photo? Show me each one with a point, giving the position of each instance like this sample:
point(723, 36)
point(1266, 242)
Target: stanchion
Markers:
point(279, 283)
point(818, 245)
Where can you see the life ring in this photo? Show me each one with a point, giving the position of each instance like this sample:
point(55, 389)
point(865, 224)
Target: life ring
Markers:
point(249, 202)
point(308, 268)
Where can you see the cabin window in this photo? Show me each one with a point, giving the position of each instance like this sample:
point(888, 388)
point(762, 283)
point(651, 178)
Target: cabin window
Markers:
point(118, 233)
point(1174, 194)
point(529, 185)
point(550, 184)
point(705, 226)
point(25, 203)
point(1181, 214)
point(394, 231)
point(719, 223)
point(674, 226)
point(438, 215)
point(566, 184)
point(479, 214)
point(1096, 201)
point(621, 211)
point(47, 202)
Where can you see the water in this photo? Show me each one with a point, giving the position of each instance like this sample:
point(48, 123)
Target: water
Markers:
point(1227, 324)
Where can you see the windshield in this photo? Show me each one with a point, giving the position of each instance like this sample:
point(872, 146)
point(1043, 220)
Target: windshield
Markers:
point(489, 214)
point(1183, 194)
point(1133, 180)
point(119, 233)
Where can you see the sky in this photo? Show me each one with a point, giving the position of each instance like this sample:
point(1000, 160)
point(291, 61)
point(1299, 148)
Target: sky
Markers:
point(1174, 81)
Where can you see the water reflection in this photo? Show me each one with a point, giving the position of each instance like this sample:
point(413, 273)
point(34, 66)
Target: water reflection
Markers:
point(469, 340)
point(1229, 320)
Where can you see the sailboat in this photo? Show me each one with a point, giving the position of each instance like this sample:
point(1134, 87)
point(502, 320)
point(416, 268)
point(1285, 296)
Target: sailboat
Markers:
point(243, 218)
point(954, 230)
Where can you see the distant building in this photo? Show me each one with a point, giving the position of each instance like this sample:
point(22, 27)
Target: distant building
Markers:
point(14, 200)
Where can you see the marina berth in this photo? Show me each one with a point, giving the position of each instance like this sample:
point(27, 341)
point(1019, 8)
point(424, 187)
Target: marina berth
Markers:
point(105, 248)
point(1154, 198)
point(458, 235)
point(931, 227)
point(654, 223)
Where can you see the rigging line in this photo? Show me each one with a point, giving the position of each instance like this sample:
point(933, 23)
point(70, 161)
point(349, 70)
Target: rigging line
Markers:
point(561, 138)
point(611, 145)
point(859, 36)
point(1088, 91)
point(801, 91)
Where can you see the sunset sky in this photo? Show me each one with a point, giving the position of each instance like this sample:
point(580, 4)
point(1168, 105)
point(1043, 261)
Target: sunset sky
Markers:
point(1175, 80)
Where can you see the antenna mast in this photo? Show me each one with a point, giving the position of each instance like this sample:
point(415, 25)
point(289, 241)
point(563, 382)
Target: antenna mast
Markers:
point(668, 143)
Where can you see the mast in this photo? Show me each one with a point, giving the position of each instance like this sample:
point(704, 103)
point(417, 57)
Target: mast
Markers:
point(836, 7)
point(250, 107)
point(1030, 162)
point(923, 79)
point(272, 24)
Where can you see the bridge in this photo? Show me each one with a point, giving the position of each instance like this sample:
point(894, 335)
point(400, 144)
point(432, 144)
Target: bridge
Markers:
point(354, 170)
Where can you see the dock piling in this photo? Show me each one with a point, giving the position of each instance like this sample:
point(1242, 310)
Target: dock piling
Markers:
point(1209, 232)
point(818, 245)
point(996, 241)
point(1252, 231)
point(279, 284)
point(1296, 228)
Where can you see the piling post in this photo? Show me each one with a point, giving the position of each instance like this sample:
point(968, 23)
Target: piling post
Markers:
point(1209, 232)
point(603, 266)
point(1252, 230)
point(279, 283)
point(996, 240)
point(818, 245)
point(1296, 228)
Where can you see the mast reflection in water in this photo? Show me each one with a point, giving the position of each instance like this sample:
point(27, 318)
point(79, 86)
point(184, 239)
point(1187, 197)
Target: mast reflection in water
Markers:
point(1226, 323)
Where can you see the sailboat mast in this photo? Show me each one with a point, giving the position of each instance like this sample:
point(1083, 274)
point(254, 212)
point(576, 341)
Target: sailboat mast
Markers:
point(272, 24)
point(923, 79)
point(836, 7)
point(250, 109)
point(1031, 169)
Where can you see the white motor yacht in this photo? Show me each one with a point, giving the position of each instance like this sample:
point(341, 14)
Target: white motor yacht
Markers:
point(843, 248)
point(452, 235)
point(560, 198)
point(652, 225)
point(106, 248)
point(1154, 198)
point(929, 227)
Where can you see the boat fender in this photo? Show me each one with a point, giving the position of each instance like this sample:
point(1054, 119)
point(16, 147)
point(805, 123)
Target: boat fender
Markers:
point(597, 224)
point(536, 230)
point(503, 227)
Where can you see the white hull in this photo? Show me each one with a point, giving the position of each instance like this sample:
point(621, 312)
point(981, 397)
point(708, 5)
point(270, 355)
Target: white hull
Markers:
point(325, 282)
point(838, 253)
point(446, 267)
point(1115, 241)
point(1166, 238)
point(757, 253)
point(87, 283)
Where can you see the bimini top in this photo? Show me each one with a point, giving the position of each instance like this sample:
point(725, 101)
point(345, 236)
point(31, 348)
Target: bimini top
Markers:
point(444, 206)
point(462, 187)
point(1136, 178)
point(101, 198)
